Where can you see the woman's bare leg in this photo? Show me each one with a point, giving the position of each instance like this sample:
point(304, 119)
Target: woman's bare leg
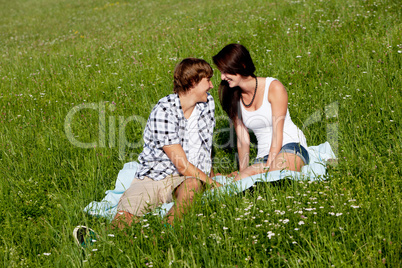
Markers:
point(284, 161)
point(287, 161)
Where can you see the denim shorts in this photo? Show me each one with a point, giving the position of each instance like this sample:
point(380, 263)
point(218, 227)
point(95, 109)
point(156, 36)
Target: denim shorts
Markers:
point(293, 148)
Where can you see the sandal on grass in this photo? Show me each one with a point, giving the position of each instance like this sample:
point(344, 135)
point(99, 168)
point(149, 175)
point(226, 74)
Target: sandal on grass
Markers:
point(84, 236)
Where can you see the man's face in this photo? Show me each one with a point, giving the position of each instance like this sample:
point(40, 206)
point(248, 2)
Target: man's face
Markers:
point(201, 89)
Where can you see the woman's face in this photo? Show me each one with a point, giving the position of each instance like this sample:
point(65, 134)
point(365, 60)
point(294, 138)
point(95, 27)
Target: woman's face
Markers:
point(232, 79)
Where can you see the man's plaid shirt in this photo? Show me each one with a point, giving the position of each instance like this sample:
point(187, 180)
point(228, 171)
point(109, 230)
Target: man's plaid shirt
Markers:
point(166, 125)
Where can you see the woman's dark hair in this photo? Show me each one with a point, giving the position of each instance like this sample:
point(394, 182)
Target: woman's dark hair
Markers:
point(233, 59)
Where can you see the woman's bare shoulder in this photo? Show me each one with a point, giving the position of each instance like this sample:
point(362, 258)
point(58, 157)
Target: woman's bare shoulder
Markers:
point(276, 91)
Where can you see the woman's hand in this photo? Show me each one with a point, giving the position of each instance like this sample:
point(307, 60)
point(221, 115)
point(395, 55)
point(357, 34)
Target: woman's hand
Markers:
point(232, 174)
point(250, 171)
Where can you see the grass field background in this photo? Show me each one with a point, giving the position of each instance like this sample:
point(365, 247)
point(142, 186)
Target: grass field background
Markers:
point(339, 60)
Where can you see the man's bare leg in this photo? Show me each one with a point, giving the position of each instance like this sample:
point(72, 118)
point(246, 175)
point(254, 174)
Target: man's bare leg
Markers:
point(184, 194)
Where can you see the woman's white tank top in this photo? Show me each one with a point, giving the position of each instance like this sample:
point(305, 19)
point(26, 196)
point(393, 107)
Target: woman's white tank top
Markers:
point(260, 122)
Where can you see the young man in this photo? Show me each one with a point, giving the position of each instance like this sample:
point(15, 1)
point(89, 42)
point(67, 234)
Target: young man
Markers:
point(176, 158)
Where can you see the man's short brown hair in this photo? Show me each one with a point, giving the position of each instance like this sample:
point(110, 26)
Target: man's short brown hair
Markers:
point(189, 72)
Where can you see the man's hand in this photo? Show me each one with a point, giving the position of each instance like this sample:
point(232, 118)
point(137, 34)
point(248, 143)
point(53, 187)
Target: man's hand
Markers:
point(178, 157)
point(215, 184)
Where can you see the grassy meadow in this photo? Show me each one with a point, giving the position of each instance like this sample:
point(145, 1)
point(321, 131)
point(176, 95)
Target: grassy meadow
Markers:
point(78, 80)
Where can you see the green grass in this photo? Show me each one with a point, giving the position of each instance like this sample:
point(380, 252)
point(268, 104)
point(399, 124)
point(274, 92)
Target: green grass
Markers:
point(339, 60)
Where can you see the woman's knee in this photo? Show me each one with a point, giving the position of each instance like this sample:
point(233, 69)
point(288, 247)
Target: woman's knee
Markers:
point(287, 161)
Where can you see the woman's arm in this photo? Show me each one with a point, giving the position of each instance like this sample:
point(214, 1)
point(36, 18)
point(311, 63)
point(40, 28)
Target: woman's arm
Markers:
point(243, 144)
point(178, 157)
point(278, 97)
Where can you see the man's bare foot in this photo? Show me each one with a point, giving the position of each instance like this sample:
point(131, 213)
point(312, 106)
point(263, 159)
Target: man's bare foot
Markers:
point(123, 219)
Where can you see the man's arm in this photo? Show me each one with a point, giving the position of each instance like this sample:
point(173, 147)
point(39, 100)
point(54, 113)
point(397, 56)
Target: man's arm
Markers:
point(178, 157)
point(212, 174)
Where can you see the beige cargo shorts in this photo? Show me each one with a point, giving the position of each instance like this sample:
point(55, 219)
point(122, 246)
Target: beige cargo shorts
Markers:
point(145, 195)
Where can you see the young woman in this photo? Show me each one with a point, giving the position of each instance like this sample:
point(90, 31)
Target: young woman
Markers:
point(259, 104)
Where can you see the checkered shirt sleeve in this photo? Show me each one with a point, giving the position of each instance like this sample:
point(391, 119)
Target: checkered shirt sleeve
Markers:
point(166, 126)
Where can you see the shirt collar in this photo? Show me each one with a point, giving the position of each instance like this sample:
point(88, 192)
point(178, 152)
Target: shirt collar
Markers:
point(201, 106)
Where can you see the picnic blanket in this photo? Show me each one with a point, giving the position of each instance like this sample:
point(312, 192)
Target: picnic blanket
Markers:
point(316, 170)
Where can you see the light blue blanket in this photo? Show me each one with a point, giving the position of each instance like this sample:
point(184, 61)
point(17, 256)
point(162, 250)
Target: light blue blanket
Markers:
point(316, 170)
